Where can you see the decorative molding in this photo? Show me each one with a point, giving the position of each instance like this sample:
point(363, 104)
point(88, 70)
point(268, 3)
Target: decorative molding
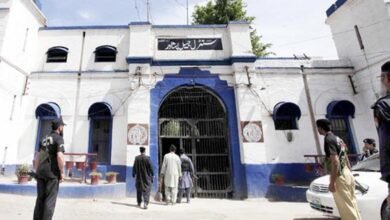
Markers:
point(252, 131)
point(137, 134)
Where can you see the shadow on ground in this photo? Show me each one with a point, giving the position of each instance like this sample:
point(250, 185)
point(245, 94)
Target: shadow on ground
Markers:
point(330, 218)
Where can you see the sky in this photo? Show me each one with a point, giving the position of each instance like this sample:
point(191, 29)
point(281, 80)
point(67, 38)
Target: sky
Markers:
point(292, 27)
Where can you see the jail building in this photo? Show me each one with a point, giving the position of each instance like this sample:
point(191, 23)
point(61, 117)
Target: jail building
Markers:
point(246, 122)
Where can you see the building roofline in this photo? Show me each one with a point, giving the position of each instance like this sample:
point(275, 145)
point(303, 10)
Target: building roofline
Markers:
point(191, 26)
point(87, 27)
point(84, 27)
point(333, 8)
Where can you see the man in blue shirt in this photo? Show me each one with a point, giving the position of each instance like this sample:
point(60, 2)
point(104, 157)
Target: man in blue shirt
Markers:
point(382, 120)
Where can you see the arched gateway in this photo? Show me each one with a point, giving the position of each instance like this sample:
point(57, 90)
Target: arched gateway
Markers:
point(194, 119)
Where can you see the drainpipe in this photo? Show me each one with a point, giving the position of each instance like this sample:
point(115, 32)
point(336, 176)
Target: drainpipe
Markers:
point(76, 108)
point(311, 111)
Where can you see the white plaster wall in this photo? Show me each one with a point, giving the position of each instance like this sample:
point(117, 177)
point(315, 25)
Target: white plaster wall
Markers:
point(240, 42)
point(118, 38)
point(372, 18)
point(11, 89)
point(72, 39)
point(62, 89)
point(138, 112)
point(272, 88)
point(16, 47)
point(281, 80)
point(114, 92)
point(338, 88)
point(5, 119)
point(373, 21)
point(41, 90)
point(21, 33)
point(4, 15)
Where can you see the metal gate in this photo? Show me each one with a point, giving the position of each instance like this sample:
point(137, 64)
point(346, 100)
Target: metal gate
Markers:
point(340, 128)
point(194, 119)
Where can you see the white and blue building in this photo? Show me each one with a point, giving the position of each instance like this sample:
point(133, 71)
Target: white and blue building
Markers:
point(244, 120)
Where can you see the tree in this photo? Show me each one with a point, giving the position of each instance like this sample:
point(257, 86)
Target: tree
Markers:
point(223, 11)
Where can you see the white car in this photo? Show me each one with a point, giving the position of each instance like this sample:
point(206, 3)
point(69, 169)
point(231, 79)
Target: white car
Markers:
point(371, 192)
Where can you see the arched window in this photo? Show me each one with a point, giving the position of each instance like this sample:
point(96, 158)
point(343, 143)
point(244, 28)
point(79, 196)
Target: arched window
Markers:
point(286, 116)
point(45, 114)
point(100, 132)
point(57, 55)
point(340, 113)
point(105, 53)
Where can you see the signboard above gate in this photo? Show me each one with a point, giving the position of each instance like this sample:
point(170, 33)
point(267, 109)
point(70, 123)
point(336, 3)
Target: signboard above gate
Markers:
point(190, 44)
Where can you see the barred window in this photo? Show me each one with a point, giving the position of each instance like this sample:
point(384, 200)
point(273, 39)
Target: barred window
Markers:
point(105, 53)
point(57, 54)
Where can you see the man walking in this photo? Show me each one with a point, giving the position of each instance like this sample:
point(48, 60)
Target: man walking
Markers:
point(143, 174)
point(342, 182)
point(171, 172)
point(382, 119)
point(185, 183)
point(49, 168)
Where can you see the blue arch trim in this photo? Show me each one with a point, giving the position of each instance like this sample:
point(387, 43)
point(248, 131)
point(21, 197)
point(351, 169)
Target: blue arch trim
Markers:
point(49, 109)
point(45, 112)
point(286, 109)
point(340, 108)
point(100, 109)
point(189, 77)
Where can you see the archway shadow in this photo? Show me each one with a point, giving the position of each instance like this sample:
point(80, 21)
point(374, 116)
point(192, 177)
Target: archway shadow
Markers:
point(125, 204)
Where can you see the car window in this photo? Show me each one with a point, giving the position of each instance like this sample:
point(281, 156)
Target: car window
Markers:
point(369, 164)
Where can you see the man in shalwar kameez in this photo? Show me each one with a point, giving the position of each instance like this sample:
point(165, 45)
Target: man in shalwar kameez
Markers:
point(143, 174)
point(170, 173)
point(185, 183)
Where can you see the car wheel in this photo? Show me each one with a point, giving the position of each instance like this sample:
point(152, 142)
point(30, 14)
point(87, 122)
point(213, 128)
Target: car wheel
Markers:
point(383, 210)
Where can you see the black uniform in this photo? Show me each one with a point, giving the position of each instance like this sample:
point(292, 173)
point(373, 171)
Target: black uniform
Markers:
point(143, 173)
point(48, 176)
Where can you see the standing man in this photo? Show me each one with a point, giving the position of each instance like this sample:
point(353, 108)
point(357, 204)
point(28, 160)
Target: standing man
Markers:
point(368, 148)
point(143, 174)
point(382, 120)
point(185, 183)
point(342, 182)
point(171, 172)
point(50, 171)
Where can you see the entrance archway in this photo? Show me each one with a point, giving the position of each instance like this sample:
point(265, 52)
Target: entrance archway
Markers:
point(194, 119)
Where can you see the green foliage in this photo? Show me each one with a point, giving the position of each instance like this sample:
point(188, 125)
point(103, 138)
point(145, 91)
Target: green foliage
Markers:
point(22, 170)
point(223, 11)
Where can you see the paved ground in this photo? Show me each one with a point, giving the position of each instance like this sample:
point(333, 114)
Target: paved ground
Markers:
point(14, 207)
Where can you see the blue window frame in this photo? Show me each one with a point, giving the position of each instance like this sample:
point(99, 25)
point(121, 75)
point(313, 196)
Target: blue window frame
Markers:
point(100, 131)
point(286, 116)
point(105, 53)
point(340, 113)
point(45, 114)
point(57, 54)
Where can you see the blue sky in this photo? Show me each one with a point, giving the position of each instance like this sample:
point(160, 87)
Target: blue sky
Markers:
point(293, 27)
